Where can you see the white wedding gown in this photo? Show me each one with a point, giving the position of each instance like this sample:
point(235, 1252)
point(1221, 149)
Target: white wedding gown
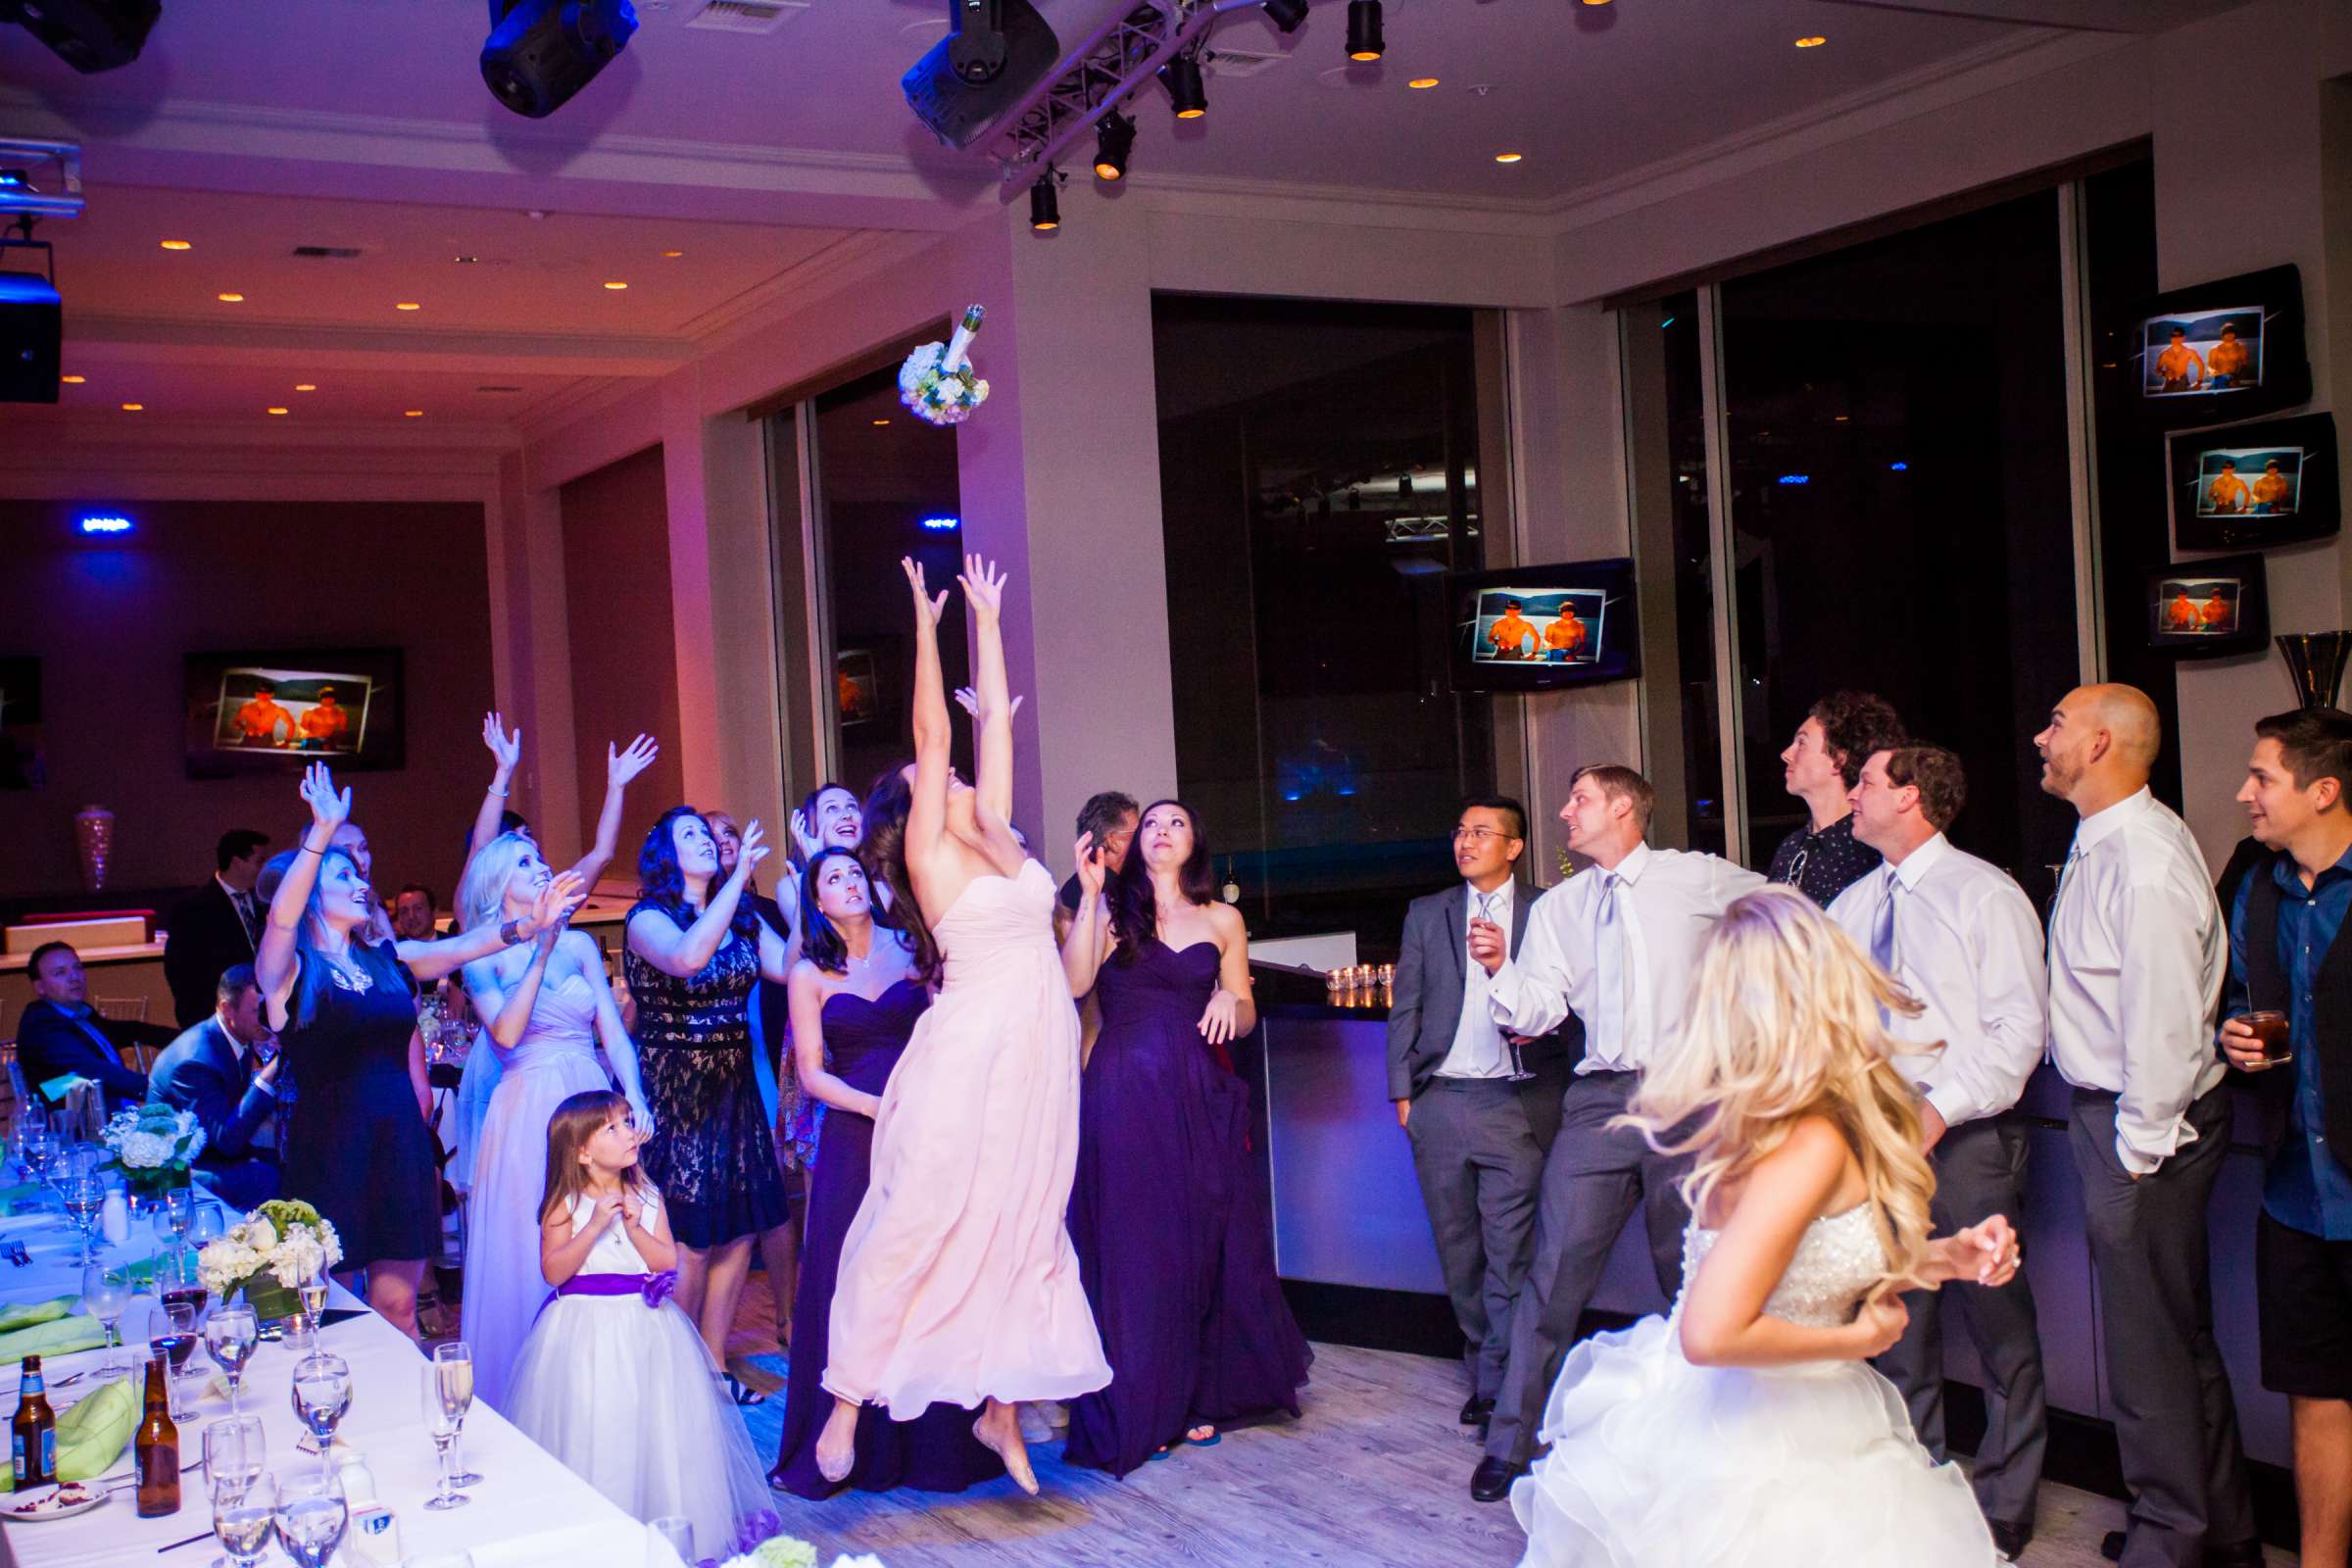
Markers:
point(1656, 1463)
point(629, 1399)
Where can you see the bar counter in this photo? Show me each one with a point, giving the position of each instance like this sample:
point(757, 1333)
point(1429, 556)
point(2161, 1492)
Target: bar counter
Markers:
point(1347, 1210)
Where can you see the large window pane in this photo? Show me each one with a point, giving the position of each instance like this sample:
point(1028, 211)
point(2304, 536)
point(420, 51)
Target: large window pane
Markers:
point(1901, 521)
point(1318, 475)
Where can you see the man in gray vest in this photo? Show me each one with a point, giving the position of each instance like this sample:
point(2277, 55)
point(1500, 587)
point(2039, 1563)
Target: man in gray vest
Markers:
point(1480, 1106)
point(2287, 956)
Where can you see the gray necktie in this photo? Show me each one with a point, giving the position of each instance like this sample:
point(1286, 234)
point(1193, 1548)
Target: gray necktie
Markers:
point(1881, 938)
point(1609, 972)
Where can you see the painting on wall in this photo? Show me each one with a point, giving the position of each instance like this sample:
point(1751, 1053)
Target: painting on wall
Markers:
point(22, 765)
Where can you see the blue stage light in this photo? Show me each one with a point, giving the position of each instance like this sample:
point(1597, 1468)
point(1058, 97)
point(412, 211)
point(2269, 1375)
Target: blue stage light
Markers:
point(1795, 478)
point(104, 523)
point(942, 524)
point(1899, 468)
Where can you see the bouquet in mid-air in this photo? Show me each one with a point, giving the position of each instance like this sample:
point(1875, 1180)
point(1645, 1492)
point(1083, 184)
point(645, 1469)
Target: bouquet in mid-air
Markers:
point(938, 382)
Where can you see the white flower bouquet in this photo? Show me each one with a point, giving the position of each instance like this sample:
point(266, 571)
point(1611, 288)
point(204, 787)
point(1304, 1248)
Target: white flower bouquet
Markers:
point(937, 383)
point(268, 1252)
point(154, 1146)
point(760, 1542)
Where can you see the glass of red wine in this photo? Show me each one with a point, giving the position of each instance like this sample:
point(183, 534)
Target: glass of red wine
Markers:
point(176, 1336)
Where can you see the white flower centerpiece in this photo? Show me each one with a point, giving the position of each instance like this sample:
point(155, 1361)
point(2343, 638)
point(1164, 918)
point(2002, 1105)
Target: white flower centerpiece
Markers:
point(269, 1253)
point(938, 383)
point(154, 1146)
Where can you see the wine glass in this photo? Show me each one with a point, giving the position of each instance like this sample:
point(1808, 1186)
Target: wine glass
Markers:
point(453, 1364)
point(234, 1452)
point(208, 1227)
point(176, 1337)
point(85, 1201)
point(105, 1293)
point(242, 1515)
point(179, 1215)
point(322, 1396)
point(229, 1335)
point(678, 1534)
point(441, 1425)
point(313, 1291)
point(312, 1515)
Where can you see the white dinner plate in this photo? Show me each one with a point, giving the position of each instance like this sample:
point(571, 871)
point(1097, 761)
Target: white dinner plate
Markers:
point(52, 1502)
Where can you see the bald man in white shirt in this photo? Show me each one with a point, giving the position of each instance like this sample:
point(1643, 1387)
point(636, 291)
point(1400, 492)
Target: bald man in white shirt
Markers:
point(2138, 955)
point(1962, 937)
point(1617, 944)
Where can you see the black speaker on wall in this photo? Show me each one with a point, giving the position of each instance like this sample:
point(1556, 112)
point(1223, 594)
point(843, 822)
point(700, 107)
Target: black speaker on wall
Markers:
point(33, 326)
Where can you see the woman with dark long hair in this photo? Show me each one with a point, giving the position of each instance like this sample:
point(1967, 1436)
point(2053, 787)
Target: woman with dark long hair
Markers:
point(1166, 1212)
point(694, 952)
point(855, 1000)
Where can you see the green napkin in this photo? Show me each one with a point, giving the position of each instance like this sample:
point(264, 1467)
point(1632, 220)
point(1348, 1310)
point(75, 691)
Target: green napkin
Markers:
point(58, 1337)
point(25, 1314)
point(57, 1088)
point(92, 1433)
point(23, 1190)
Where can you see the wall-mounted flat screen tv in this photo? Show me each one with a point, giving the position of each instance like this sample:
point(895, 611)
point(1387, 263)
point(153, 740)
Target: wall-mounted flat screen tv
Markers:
point(283, 709)
point(1535, 628)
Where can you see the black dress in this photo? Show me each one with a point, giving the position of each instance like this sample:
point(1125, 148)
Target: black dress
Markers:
point(711, 1155)
point(357, 1148)
point(936, 1452)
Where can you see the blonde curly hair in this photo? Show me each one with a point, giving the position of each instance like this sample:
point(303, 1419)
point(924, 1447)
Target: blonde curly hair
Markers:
point(1785, 1023)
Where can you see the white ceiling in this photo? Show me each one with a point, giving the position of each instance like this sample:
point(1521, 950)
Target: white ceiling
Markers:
point(249, 126)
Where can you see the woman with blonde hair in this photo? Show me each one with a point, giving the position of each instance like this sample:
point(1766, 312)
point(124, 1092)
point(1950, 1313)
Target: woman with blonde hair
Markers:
point(1746, 1427)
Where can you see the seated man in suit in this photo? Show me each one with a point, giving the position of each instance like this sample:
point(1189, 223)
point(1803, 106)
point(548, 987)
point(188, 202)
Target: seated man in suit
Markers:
point(61, 1034)
point(215, 1070)
point(215, 926)
point(1479, 1106)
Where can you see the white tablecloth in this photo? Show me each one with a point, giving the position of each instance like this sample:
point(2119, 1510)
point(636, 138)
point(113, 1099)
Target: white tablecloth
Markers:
point(527, 1509)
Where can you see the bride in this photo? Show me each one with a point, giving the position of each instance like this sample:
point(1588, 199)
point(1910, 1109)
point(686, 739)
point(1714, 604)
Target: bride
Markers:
point(1745, 1428)
point(544, 1005)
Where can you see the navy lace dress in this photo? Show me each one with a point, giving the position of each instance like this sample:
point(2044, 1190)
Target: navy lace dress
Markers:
point(711, 1154)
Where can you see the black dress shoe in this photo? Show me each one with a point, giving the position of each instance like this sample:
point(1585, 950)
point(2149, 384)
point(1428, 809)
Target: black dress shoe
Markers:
point(1477, 1410)
point(1492, 1481)
point(2112, 1546)
point(2009, 1540)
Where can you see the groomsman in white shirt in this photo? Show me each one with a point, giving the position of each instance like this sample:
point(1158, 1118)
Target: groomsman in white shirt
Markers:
point(2138, 955)
point(1617, 944)
point(1963, 938)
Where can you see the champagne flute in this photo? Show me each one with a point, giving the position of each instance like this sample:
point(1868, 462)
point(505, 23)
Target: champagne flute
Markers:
point(453, 1364)
point(105, 1293)
point(234, 1452)
point(242, 1516)
point(179, 1215)
point(312, 1516)
point(322, 1396)
point(229, 1335)
point(441, 1425)
point(85, 1200)
point(313, 1291)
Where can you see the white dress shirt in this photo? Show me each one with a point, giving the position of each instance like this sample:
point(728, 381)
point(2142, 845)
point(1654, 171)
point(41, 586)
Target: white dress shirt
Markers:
point(1968, 946)
point(2138, 955)
point(1479, 1050)
point(1667, 901)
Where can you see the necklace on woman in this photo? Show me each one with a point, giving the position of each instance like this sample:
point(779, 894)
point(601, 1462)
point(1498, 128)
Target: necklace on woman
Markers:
point(346, 973)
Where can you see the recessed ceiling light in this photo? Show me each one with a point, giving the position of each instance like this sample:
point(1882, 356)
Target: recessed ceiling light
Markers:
point(616, 286)
point(413, 414)
point(1815, 41)
point(230, 299)
point(1420, 83)
point(881, 421)
point(132, 408)
point(177, 245)
point(467, 261)
point(281, 411)
point(306, 386)
point(72, 380)
point(1596, 2)
point(1508, 157)
point(672, 256)
point(408, 305)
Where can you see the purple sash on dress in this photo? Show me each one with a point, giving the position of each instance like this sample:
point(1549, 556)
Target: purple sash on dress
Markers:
point(654, 1287)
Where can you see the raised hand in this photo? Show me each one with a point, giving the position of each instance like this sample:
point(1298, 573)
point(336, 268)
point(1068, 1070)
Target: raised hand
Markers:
point(505, 747)
point(1092, 872)
point(927, 610)
point(969, 701)
point(804, 834)
point(563, 894)
point(751, 850)
point(1221, 1021)
point(983, 585)
point(328, 810)
point(622, 766)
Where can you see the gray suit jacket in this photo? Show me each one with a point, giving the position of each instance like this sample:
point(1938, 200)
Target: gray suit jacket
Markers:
point(1426, 1002)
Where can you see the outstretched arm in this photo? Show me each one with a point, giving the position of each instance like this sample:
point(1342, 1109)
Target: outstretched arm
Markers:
point(504, 751)
point(984, 591)
point(430, 961)
point(927, 810)
point(620, 768)
point(275, 961)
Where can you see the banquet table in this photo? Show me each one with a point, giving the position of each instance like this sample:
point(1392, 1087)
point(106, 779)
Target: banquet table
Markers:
point(527, 1510)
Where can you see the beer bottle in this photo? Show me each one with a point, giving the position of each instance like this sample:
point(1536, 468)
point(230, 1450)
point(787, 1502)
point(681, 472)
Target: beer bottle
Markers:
point(156, 1448)
point(33, 1433)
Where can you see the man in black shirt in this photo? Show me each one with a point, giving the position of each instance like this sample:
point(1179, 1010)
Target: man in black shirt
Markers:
point(1820, 767)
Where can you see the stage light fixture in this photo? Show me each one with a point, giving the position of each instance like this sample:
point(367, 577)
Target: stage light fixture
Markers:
point(1364, 42)
point(995, 51)
point(104, 523)
point(1114, 141)
point(90, 35)
point(1188, 95)
point(1045, 201)
point(541, 52)
point(1286, 14)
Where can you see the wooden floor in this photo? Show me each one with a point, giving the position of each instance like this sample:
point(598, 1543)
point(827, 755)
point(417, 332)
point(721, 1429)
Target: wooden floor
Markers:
point(1375, 1473)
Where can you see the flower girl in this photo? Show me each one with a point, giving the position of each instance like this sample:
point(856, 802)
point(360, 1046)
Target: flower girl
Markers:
point(614, 1380)
point(1746, 1428)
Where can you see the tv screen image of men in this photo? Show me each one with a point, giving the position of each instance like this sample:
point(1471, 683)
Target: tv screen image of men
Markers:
point(304, 710)
point(2249, 481)
point(2209, 351)
point(1555, 626)
point(2198, 607)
